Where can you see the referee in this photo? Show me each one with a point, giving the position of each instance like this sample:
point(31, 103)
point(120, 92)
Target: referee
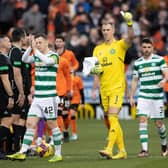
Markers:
point(6, 97)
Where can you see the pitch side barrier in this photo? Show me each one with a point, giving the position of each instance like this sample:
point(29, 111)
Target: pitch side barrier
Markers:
point(93, 109)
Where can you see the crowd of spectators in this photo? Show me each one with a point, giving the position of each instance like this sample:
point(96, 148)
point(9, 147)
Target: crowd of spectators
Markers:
point(79, 20)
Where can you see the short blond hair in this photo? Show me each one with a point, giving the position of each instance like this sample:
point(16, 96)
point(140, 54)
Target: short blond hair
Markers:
point(106, 22)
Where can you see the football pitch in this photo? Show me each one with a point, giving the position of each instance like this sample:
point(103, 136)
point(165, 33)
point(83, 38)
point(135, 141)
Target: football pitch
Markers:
point(92, 137)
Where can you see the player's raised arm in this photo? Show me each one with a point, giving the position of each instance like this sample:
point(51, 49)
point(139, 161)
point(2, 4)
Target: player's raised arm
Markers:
point(45, 59)
point(128, 17)
point(26, 56)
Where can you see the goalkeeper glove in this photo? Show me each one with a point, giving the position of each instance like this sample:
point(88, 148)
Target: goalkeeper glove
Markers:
point(97, 70)
point(127, 17)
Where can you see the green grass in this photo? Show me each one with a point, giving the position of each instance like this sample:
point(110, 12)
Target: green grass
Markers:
point(92, 137)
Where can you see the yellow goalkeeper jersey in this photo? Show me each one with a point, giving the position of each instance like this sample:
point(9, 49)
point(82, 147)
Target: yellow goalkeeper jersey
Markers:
point(111, 57)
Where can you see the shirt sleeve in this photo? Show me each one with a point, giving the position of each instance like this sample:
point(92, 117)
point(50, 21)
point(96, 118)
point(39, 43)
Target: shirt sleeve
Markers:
point(80, 83)
point(163, 64)
point(124, 45)
point(55, 57)
point(66, 71)
point(47, 60)
point(135, 71)
point(28, 56)
point(75, 63)
point(94, 52)
point(4, 68)
point(16, 57)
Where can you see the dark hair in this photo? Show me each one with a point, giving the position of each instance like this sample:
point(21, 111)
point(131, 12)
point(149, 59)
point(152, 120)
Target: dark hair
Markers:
point(146, 40)
point(2, 36)
point(17, 34)
point(60, 37)
point(40, 35)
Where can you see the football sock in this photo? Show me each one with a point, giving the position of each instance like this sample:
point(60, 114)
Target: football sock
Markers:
point(113, 131)
point(5, 140)
point(18, 135)
point(66, 120)
point(120, 139)
point(162, 133)
point(143, 135)
point(39, 132)
point(9, 142)
point(66, 136)
point(73, 124)
point(27, 140)
point(57, 137)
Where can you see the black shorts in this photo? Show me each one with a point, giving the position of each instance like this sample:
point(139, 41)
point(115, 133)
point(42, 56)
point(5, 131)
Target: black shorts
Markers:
point(64, 102)
point(67, 102)
point(62, 99)
point(25, 108)
point(74, 106)
point(22, 111)
point(4, 112)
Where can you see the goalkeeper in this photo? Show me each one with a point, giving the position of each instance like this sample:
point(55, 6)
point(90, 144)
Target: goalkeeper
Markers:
point(110, 70)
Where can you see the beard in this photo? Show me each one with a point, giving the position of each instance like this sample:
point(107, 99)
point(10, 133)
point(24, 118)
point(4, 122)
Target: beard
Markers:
point(146, 53)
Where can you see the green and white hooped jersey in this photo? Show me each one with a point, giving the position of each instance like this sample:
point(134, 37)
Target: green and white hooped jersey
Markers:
point(149, 73)
point(45, 77)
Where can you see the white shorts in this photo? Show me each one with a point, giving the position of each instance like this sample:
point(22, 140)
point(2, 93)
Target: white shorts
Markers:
point(153, 109)
point(44, 108)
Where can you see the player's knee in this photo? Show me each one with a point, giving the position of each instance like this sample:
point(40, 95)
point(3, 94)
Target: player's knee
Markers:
point(51, 124)
point(31, 124)
point(72, 112)
point(143, 119)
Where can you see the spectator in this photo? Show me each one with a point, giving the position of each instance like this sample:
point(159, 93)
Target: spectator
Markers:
point(58, 18)
point(84, 4)
point(123, 26)
point(20, 8)
point(82, 23)
point(96, 13)
point(94, 38)
point(33, 20)
point(83, 50)
point(6, 15)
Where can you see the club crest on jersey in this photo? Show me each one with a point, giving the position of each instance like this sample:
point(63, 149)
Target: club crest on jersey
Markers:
point(112, 51)
point(39, 64)
point(146, 69)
